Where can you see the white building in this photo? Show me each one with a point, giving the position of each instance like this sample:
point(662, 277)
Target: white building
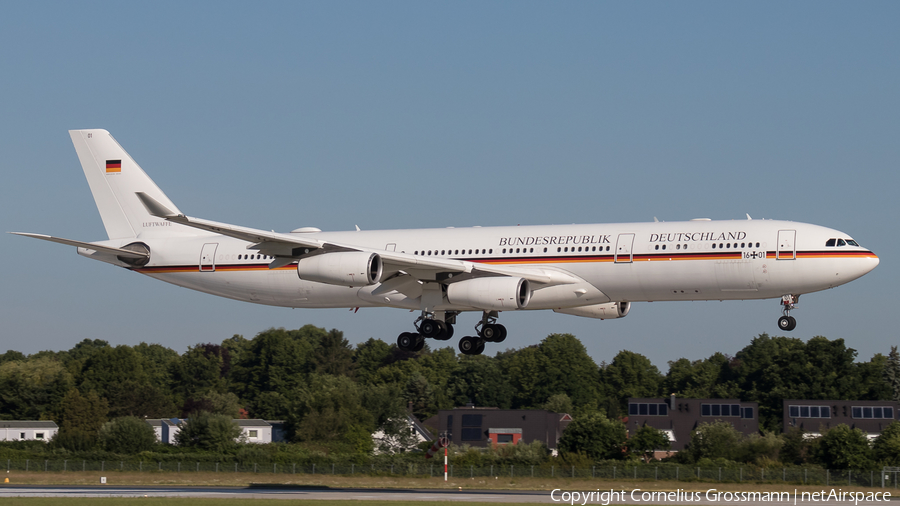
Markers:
point(255, 431)
point(27, 430)
point(165, 429)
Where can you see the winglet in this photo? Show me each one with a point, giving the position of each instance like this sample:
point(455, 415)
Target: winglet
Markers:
point(155, 208)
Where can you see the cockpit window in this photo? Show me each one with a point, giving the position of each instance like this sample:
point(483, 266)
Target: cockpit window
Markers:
point(851, 242)
point(841, 242)
point(830, 242)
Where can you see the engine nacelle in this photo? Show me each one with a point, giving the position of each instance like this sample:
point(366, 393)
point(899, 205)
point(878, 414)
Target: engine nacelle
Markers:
point(606, 311)
point(350, 268)
point(494, 293)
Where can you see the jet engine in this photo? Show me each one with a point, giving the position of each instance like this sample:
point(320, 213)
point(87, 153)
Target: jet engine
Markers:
point(492, 293)
point(350, 268)
point(606, 311)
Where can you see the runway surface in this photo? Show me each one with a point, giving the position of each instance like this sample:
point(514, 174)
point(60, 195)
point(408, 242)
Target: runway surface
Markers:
point(499, 496)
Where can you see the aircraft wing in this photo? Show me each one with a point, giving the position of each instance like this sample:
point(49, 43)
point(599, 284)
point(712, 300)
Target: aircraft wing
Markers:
point(287, 247)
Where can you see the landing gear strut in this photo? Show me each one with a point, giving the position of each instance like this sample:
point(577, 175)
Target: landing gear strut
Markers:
point(788, 303)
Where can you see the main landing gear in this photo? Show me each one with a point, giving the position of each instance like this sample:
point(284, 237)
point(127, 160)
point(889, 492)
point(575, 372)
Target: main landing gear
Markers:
point(489, 331)
point(788, 303)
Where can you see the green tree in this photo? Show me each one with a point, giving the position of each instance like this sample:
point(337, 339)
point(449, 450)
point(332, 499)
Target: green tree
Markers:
point(327, 409)
point(761, 449)
point(32, 389)
point(714, 440)
point(646, 440)
point(559, 364)
point(276, 360)
point(80, 420)
point(203, 368)
point(559, 403)
point(334, 355)
point(208, 431)
point(419, 394)
point(797, 448)
point(215, 403)
point(595, 436)
point(127, 435)
point(695, 380)
point(478, 379)
point(844, 448)
point(886, 449)
point(892, 373)
point(369, 357)
point(630, 375)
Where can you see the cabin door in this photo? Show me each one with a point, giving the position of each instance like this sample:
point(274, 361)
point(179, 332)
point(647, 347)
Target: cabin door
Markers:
point(787, 247)
point(624, 245)
point(208, 257)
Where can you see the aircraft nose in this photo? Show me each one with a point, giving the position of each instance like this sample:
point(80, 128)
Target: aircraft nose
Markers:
point(873, 262)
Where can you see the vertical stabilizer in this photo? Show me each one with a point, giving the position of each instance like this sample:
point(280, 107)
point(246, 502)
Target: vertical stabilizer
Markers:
point(114, 178)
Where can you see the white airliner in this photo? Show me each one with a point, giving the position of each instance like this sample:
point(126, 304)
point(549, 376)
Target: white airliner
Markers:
point(594, 270)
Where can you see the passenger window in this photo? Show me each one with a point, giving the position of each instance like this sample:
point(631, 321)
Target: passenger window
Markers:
point(830, 242)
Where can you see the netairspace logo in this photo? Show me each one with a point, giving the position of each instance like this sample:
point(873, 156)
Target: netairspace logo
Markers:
point(606, 497)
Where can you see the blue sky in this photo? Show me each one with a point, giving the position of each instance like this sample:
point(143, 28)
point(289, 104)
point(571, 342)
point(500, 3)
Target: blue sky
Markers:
point(424, 114)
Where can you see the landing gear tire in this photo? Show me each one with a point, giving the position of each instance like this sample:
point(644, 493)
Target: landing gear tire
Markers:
point(493, 333)
point(408, 341)
point(787, 323)
point(433, 328)
point(447, 334)
point(501, 335)
point(471, 345)
point(420, 343)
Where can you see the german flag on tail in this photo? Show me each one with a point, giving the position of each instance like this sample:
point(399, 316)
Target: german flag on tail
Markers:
point(113, 166)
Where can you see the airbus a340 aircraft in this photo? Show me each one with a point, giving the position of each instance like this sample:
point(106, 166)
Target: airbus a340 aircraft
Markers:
point(595, 271)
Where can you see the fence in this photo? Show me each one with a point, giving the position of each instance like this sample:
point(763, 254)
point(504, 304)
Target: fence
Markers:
point(794, 475)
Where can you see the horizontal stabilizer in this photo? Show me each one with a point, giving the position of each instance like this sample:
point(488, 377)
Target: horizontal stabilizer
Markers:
point(127, 253)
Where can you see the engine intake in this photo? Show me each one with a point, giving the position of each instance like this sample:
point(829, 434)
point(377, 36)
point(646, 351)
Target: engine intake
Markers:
point(494, 293)
point(351, 268)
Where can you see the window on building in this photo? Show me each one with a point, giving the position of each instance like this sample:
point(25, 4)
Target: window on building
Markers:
point(450, 427)
point(809, 411)
point(21, 435)
point(876, 412)
point(648, 409)
point(720, 410)
point(39, 435)
point(471, 427)
point(504, 438)
point(747, 413)
point(253, 433)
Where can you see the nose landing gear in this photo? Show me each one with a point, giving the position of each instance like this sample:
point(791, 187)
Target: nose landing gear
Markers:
point(788, 303)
